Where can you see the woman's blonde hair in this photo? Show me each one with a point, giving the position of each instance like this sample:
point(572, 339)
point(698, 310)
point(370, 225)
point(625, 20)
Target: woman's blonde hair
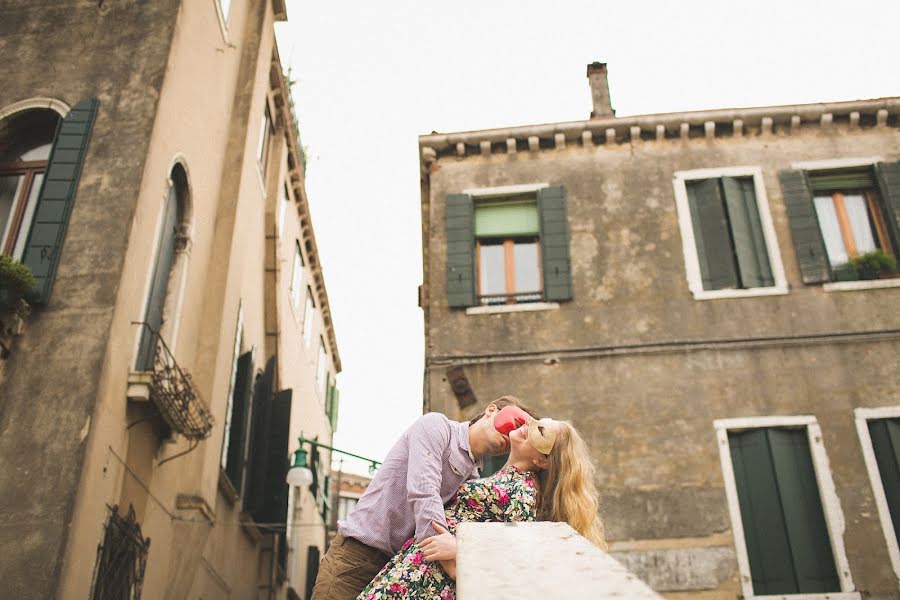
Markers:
point(567, 490)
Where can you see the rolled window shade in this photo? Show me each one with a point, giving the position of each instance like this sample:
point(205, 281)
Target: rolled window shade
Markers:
point(830, 181)
point(504, 219)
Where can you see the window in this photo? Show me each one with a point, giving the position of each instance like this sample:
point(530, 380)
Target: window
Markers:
point(296, 278)
point(783, 507)
point(266, 131)
point(322, 367)
point(25, 144)
point(282, 210)
point(507, 245)
point(507, 249)
point(345, 506)
point(308, 318)
point(727, 234)
point(121, 558)
point(879, 434)
point(235, 358)
point(225, 6)
point(843, 218)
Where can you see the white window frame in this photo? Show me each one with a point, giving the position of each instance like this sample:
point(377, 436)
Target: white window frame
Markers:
point(831, 505)
point(862, 417)
point(689, 243)
point(222, 14)
point(309, 310)
point(229, 406)
point(283, 200)
point(296, 286)
point(322, 371)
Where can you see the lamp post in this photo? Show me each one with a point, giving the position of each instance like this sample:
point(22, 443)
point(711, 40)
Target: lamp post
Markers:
point(299, 475)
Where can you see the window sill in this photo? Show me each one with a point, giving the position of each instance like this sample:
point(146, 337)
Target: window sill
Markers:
point(751, 293)
point(817, 596)
point(867, 284)
point(139, 386)
point(511, 308)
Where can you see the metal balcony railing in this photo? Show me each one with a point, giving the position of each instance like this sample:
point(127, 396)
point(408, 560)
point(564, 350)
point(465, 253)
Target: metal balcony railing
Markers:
point(174, 393)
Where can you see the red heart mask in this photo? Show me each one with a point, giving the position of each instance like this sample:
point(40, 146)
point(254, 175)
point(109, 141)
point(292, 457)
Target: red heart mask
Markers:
point(509, 418)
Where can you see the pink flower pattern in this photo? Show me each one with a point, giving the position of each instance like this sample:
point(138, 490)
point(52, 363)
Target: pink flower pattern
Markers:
point(508, 495)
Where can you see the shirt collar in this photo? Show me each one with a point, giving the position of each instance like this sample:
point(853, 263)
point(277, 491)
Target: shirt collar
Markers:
point(463, 442)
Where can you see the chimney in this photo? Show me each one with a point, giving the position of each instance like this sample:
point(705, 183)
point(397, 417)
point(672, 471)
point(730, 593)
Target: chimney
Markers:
point(596, 73)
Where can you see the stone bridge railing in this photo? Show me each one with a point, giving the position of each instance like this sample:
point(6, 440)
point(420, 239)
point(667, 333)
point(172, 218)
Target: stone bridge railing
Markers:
point(538, 561)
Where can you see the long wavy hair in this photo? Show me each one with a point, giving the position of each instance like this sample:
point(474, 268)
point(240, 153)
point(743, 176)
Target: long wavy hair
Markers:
point(567, 490)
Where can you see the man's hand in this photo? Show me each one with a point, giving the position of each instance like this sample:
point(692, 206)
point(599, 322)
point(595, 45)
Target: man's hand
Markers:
point(439, 547)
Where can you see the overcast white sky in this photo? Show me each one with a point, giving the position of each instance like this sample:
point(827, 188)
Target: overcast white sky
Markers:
point(373, 75)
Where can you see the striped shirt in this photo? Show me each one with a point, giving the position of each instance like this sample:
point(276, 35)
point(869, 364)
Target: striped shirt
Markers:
point(421, 473)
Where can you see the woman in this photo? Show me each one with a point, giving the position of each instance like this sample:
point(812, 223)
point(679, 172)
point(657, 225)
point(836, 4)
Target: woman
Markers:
point(549, 477)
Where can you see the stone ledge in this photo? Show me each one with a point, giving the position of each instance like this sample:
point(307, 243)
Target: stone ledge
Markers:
point(538, 561)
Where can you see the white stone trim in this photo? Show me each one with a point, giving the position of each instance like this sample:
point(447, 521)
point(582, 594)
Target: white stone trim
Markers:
point(689, 245)
point(41, 102)
point(505, 190)
point(831, 505)
point(511, 308)
point(862, 416)
point(865, 284)
point(836, 163)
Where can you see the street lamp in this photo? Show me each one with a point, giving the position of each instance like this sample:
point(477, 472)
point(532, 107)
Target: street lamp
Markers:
point(299, 475)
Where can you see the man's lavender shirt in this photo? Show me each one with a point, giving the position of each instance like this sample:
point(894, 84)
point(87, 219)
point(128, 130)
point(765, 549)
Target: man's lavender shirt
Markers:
point(421, 473)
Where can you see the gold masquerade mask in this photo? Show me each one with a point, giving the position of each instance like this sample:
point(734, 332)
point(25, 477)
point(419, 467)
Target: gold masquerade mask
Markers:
point(541, 435)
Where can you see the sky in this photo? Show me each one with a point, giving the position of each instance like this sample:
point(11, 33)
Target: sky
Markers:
point(373, 75)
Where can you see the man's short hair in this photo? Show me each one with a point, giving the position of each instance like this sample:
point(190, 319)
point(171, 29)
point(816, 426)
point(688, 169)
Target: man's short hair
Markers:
point(502, 402)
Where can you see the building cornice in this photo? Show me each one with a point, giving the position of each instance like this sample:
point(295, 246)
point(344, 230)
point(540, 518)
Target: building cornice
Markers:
point(708, 124)
point(297, 176)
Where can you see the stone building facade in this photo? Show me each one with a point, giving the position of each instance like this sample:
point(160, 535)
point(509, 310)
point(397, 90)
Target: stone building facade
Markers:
point(180, 337)
point(693, 291)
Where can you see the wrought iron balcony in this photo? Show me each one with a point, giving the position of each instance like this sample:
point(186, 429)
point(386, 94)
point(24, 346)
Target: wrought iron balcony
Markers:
point(174, 393)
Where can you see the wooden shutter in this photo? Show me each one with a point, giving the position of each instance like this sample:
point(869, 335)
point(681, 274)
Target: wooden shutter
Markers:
point(57, 195)
point(711, 234)
point(159, 284)
point(781, 512)
point(888, 178)
point(335, 404)
point(259, 441)
point(275, 490)
point(885, 435)
point(240, 400)
point(555, 265)
point(807, 237)
point(747, 233)
point(460, 251)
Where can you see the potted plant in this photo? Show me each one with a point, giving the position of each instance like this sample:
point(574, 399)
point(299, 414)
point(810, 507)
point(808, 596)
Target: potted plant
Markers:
point(874, 265)
point(16, 283)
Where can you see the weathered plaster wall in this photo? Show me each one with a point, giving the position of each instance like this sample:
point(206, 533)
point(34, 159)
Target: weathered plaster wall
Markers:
point(648, 417)
point(73, 50)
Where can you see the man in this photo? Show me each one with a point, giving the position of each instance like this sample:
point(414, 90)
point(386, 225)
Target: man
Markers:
point(421, 473)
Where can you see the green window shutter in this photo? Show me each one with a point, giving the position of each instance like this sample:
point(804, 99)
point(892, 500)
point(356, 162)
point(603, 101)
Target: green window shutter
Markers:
point(335, 403)
point(747, 232)
point(781, 511)
point(803, 515)
point(885, 435)
point(831, 181)
point(711, 235)
point(275, 490)
point(460, 251)
point(57, 195)
point(768, 549)
point(807, 237)
point(240, 404)
point(556, 269)
point(888, 178)
point(261, 415)
point(506, 219)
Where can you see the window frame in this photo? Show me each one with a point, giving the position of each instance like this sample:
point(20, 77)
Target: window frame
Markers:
point(266, 134)
point(323, 373)
point(862, 416)
point(689, 243)
point(309, 309)
point(296, 286)
point(831, 507)
point(509, 269)
point(229, 402)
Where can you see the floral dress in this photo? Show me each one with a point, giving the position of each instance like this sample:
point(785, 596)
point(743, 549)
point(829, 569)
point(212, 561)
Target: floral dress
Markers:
point(507, 495)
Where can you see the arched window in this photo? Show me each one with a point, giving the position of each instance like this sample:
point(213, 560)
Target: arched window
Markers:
point(26, 139)
point(154, 314)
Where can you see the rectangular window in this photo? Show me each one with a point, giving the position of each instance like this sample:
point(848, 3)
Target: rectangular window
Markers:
point(296, 278)
point(851, 221)
point(266, 131)
point(879, 435)
point(322, 367)
point(308, 318)
point(282, 210)
point(727, 234)
point(507, 234)
point(345, 506)
point(783, 507)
